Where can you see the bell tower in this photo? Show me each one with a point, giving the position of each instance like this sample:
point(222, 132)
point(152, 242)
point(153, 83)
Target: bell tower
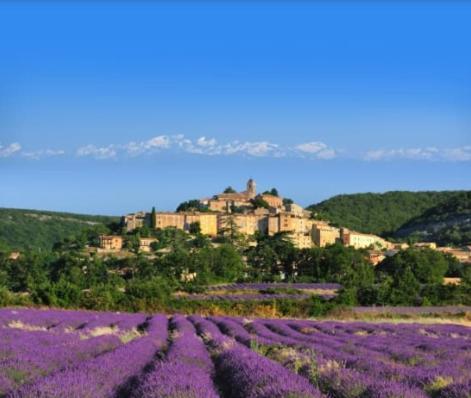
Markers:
point(251, 188)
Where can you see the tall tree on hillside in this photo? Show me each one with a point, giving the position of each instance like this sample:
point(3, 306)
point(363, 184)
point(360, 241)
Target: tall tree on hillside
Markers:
point(230, 230)
point(152, 218)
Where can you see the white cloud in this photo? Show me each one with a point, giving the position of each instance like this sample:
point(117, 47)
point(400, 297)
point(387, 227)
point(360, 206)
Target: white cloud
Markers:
point(326, 154)
point(258, 148)
point(207, 146)
point(462, 154)
point(151, 145)
point(9, 150)
point(427, 153)
point(108, 152)
point(206, 142)
point(317, 149)
point(43, 153)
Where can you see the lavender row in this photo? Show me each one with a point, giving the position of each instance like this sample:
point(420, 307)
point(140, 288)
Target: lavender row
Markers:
point(186, 371)
point(245, 374)
point(361, 361)
point(28, 355)
point(450, 309)
point(61, 320)
point(104, 375)
point(254, 297)
point(279, 285)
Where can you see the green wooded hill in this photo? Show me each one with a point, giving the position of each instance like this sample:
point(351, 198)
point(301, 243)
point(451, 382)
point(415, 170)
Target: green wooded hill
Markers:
point(34, 229)
point(388, 214)
point(448, 222)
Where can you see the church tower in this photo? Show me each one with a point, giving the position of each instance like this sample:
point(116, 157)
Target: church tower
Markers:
point(251, 189)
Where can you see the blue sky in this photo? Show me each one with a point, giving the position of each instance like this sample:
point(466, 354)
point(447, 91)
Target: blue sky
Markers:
point(112, 107)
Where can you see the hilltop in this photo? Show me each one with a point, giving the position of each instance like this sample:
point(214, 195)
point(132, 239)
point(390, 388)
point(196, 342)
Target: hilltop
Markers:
point(35, 229)
point(397, 213)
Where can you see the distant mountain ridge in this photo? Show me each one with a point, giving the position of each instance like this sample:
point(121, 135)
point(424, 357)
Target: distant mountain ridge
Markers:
point(22, 229)
point(441, 216)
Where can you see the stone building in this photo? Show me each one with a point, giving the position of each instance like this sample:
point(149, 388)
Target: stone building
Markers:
point(246, 224)
point(208, 221)
point(426, 245)
point(361, 241)
point(111, 242)
point(224, 202)
point(145, 244)
point(135, 220)
point(324, 234)
point(169, 220)
point(273, 201)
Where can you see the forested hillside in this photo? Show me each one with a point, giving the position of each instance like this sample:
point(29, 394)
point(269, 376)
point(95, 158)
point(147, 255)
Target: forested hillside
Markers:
point(448, 222)
point(25, 229)
point(381, 214)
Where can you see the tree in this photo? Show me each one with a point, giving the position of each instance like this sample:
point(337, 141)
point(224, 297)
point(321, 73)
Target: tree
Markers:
point(427, 265)
point(171, 237)
point(258, 202)
point(272, 191)
point(308, 263)
point(227, 264)
point(287, 201)
point(229, 189)
point(152, 218)
point(405, 289)
point(346, 266)
point(263, 261)
point(271, 256)
point(195, 228)
point(132, 243)
point(4, 248)
point(148, 294)
point(230, 230)
point(192, 205)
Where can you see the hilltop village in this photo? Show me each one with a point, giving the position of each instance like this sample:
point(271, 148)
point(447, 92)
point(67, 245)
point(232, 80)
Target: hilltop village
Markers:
point(248, 212)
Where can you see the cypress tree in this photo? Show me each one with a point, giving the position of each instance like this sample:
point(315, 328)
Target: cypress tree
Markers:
point(152, 218)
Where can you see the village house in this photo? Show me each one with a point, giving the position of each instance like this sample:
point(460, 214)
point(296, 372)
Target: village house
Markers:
point(145, 244)
point(324, 234)
point(362, 241)
point(111, 242)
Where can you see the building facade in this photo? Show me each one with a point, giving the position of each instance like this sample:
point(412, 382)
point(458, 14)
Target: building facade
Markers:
point(111, 242)
point(208, 222)
point(145, 244)
point(135, 220)
point(324, 234)
point(362, 241)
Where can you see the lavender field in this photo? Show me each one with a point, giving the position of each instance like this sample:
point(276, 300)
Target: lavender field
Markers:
point(265, 291)
point(53, 353)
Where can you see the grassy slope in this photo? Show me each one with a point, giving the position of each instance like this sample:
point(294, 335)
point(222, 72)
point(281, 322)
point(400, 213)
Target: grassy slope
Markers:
point(381, 214)
point(23, 229)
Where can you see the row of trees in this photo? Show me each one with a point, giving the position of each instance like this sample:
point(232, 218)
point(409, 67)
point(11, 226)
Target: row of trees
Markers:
point(69, 277)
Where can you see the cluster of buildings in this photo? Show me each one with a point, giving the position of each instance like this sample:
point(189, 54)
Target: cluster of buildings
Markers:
point(266, 213)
